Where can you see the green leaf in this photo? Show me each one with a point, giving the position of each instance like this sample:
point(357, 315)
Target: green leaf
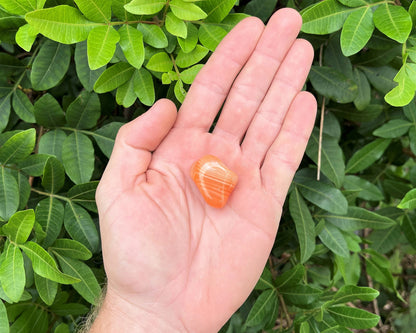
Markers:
point(5, 107)
point(23, 107)
point(125, 93)
point(365, 189)
point(101, 44)
point(324, 17)
point(33, 165)
point(12, 273)
point(333, 84)
point(24, 188)
point(18, 7)
point(385, 240)
point(84, 111)
point(393, 21)
point(10, 65)
point(301, 294)
point(188, 44)
point(145, 7)
point(350, 268)
point(191, 58)
point(44, 265)
point(88, 286)
point(262, 308)
point(62, 328)
point(211, 35)
point(46, 288)
point(188, 75)
point(291, 277)
point(409, 200)
point(64, 24)
point(304, 225)
point(78, 157)
point(20, 226)
point(86, 76)
point(349, 293)
point(186, 10)
point(51, 143)
point(84, 194)
point(9, 194)
point(304, 327)
point(71, 249)
point(353, 317)
point(153, 35)
point(18, 147)
point(367, 155)
point(410, 112)
point(33, 319)
point(408, 228)
point(363, 98)
point(48, 112)
point(105, 137)
point(4, 321)
point(50, 65)
point(95, 10)
point(381, 77)
point(143, 87)
point(66, 309)
point(380, 273)
point(265, 281)
point(50, 215)
point(332, 157)
point(356, 31)
point(359, 218)
point(216, 10)
point(403, 93)
point(81, 227)
point(393, 129)
point(262, 9)
point(180, 92)
point(324, 196)
point(175, 26)
point(113, 77)
point(131, 42)
point(334, 240)
point(160, 62)
point(354, 3)
point(53, 175)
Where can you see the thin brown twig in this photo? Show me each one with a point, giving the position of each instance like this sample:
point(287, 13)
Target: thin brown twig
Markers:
point(283, 304)
point(321, 124)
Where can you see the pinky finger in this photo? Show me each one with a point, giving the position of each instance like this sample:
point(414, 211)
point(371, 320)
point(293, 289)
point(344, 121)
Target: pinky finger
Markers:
point(286, 152)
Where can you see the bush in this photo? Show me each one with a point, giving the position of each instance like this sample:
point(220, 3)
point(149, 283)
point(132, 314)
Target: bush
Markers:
point(71, 73)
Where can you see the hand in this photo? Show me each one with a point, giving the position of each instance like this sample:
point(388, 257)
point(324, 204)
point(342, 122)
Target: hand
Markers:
point(174, 263)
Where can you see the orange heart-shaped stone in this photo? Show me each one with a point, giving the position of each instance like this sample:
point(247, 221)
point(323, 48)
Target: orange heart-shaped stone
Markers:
point(214, 180)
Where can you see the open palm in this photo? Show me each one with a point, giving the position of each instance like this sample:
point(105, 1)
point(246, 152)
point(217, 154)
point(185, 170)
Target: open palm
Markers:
point(166, 252)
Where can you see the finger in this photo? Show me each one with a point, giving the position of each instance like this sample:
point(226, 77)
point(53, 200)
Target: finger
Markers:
point(287, 83)
point(253, 82)
point(134, 143)
point(286, 152)
point(211, 86)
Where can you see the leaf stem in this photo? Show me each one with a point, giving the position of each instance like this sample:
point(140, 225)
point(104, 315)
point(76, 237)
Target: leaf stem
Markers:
point(51, 195)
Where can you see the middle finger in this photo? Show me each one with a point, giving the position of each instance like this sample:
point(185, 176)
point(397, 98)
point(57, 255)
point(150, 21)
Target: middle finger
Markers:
point(252, 83)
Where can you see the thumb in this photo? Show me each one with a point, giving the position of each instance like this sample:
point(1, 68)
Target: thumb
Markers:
point(134, 144)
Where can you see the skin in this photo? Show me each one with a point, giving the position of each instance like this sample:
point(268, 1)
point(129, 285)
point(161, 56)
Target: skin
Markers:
point(174, 263)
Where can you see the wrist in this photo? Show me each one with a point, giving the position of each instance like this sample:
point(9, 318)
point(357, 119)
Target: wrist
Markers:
point(120, 315)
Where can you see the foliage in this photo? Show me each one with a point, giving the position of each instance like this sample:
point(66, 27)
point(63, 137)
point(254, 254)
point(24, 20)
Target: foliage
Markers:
point(72, 72)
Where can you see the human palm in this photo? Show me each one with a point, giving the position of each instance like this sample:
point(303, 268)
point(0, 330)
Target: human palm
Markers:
point(165, 250)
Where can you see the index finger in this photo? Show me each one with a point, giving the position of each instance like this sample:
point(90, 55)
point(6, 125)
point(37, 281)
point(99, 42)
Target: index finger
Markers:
point(213, 82)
